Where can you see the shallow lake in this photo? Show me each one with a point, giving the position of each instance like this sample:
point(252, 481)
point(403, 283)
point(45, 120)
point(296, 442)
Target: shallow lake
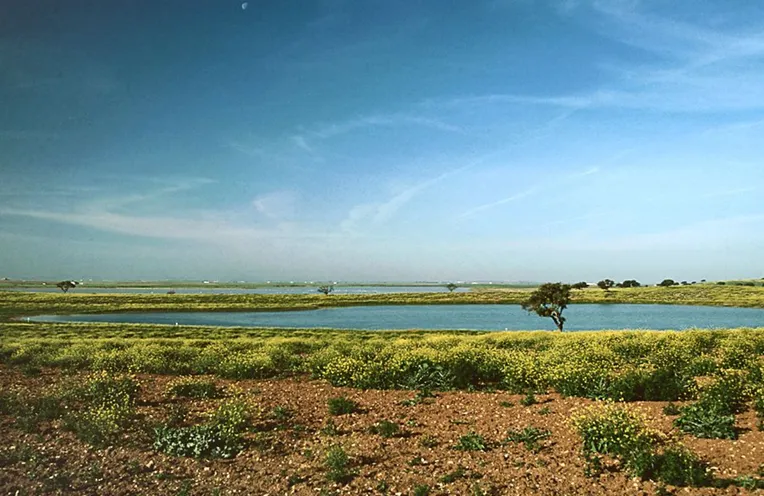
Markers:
point(477, 317)
point(260, 290)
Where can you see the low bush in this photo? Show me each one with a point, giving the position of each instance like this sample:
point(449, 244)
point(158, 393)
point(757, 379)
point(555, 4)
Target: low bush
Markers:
point(337, 464)
point(727, 393)
point(193, 387)
point(712, 416)
point(618, 431)
point(220, 437)
point(198, 441)
point(623, 432)
point(341, 406)
point(100, 425)
point(281, 413)
point(758, 406)
point(33, 411)
point(107, 407)
point(8, 402)
point(385, 428)
point(233, 415)
point(102, 388)
point(679, 466)
point(421, 490)
point(705, 421)
point(250, 365)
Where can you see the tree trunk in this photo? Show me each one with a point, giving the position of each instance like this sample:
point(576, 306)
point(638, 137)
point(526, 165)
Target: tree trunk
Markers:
point(557, 320)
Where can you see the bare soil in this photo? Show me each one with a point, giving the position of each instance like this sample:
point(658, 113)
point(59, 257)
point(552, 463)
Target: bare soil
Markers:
point(287, 456)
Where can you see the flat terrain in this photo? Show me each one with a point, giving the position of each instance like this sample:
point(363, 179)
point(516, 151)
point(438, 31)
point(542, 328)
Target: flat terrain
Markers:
point(19, 304)
point(288, 438)
point(98, 408)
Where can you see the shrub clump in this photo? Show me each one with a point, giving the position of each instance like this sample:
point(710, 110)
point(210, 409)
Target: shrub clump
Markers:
point(337, 464)
point(704, 421)
point(758, 406)
point(108, 406)
point(712, 416)
point(623, 433)
point(342, 406)
point(198, 441)
point(386, 428)
point(192, 387)
point(220, 437)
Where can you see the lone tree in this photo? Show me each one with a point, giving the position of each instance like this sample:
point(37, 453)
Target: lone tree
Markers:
point(325, 289)
point(606, 284)
point(667, 282)
point(580, 285)
point(549, 300)
point(65, 286)
point(630, 283)
point(451, 287)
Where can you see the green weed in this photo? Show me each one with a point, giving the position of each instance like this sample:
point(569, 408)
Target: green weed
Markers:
point(472, 442)
point(530, 437)
point(337, 464)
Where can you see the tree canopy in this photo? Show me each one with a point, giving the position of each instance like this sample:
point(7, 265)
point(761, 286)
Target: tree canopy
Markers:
point(606, 284)
point(451, 287)
point(65, 286)
point(325, 289)
point(549, 300)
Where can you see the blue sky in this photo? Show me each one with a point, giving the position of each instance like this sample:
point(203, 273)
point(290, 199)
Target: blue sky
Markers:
point(382, 140)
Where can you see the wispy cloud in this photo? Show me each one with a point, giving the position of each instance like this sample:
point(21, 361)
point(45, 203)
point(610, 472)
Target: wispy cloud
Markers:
point(214, 231)
point(383, 211)
point(307, 139)
point(573, 102)
point(302, 144)
point(699, 69)
point(702, 69)
point(332, 130)
point(734, 128)
point(168, 187)
point(525, 193)
point(729, 192)
point(276, 204)
point(268, 155)
point(487, 206)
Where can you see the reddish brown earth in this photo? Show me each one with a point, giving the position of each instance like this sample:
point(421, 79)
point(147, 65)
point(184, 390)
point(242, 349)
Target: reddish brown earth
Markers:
point(288, 459)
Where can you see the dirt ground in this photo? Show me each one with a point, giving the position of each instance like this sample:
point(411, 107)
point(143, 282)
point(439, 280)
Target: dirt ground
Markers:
point(288, 456)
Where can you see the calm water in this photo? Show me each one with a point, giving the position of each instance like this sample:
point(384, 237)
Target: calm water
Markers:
point(263, 290)
point(478, 317)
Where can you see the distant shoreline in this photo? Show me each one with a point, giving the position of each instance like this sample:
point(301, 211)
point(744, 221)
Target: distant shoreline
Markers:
point(12, 284)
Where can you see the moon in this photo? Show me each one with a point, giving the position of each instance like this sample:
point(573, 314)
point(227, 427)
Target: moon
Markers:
point(244, 6)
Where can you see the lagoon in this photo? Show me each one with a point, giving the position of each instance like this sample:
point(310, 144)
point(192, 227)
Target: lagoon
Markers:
point(236, 291)
point(447, 317)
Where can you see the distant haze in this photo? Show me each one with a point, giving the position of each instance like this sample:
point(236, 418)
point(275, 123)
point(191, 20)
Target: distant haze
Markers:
point(386, 141)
